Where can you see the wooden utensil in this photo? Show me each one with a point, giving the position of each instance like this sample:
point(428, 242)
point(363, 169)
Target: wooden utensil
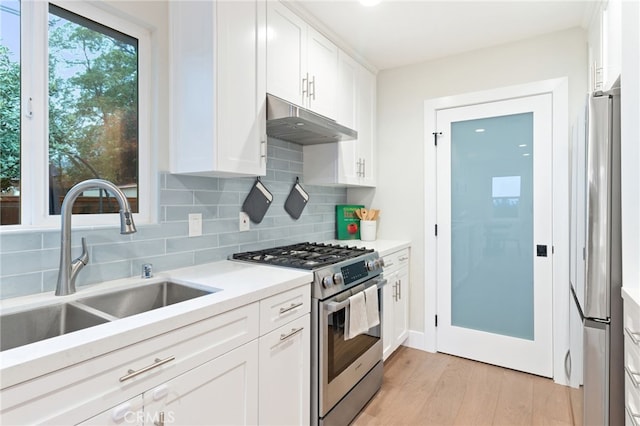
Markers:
point(364, 213)
point(358, 214)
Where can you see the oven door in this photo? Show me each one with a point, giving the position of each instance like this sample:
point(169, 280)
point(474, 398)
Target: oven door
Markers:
point(344, 362)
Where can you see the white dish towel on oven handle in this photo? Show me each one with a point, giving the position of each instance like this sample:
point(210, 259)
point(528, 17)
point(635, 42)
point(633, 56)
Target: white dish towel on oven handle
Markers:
point(371, 302)
point(356, 321)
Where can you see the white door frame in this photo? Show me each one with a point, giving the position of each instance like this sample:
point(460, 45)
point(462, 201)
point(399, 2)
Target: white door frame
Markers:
point(558, 88)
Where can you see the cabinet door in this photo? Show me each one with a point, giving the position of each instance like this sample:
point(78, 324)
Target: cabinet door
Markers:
point(348, 92)
point(389, 293)
point(127, 413)
point(322, 65)
point(218, 88)
point(286, 54)
point(284, 388)
point(223, 391)
point(367, 127)
point(401, 311)
point(241, 86)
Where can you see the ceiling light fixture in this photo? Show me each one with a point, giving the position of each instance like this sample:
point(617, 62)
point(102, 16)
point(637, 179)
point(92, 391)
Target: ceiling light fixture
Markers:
point(369, 2)
point(479, 130)
point(522, 145)
point(526, 154)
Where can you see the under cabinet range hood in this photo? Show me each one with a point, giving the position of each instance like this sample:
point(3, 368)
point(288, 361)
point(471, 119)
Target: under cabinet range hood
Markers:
point(292, 123)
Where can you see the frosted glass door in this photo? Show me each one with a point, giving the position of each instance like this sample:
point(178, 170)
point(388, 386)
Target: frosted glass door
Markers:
point(492, 224)
point(494, 220)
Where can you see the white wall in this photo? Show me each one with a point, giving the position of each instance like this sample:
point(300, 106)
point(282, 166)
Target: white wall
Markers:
point(400, 193)
point(630, 114)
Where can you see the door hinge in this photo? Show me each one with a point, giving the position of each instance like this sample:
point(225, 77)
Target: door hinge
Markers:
point(436, 320)
point(584, 253)
point(436, 229)
point(553, 249)
point(435, 137)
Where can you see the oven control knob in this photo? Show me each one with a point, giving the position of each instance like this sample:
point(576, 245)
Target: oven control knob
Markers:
point(327, 281)
point(371, 265)
point(337, 278)
point(380, 262)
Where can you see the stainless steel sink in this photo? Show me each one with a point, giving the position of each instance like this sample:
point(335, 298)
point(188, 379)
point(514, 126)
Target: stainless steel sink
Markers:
point(145, 298)
point(33, 325)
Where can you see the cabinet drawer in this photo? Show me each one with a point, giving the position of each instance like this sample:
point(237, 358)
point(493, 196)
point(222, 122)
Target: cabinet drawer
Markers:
point(631, 323)
point(284, 307)
point(76, 393)
point(631, 399)
point(396, 260)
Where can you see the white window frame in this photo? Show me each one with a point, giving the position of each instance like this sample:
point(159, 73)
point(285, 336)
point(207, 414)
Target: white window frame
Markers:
point(34, 210)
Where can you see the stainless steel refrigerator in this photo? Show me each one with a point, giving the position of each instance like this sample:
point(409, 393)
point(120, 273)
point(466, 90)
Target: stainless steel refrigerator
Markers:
point(597, 296)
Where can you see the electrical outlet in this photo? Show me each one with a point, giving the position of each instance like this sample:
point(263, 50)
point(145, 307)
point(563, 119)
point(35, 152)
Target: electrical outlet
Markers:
point(244, 222)
point(195, 224)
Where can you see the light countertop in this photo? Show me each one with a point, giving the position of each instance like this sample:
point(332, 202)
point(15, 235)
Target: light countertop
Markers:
point(239, 284)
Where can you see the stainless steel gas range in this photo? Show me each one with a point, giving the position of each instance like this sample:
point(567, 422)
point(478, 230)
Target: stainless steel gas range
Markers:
point(345, 373)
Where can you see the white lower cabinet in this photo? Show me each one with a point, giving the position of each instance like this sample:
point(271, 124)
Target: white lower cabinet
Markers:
point(284, 374)
point(395, 321)
point(222, 370)
point(631, 324)
point(221, 392)
point(128, 413)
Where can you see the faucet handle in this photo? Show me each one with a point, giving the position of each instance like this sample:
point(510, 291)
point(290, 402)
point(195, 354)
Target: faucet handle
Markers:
point(84, 257)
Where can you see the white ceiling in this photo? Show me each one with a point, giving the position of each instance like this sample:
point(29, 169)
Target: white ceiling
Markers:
point(399, 32)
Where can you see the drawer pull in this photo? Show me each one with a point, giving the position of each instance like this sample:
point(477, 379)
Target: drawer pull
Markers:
point(635, 337)
point(290, 308)
point(158, 362)
point(403, 258)
point(632, 376)
point(293, 332)
point(632, 416)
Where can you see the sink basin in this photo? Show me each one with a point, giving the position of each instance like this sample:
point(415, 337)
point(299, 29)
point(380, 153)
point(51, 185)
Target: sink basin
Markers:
point(145, 298)
point(33, 325)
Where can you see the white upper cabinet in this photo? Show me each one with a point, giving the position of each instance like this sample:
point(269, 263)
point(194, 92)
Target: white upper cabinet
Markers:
point(605, 45)
point(301, 62)
point(348, 163)
point(218, 88)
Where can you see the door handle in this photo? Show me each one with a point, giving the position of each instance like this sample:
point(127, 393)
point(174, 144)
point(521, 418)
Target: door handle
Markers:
point(541, 250)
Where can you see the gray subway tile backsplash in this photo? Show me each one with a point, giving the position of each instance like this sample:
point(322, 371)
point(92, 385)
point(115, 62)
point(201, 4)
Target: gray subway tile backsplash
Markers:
point(30, 259)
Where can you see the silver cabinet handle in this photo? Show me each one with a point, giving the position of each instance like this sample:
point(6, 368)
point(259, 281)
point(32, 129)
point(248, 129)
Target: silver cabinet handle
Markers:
point(403, 258)
point(400, 288)
point(364, 170)
point(263, 147)
point(290, 308)
point(632, 376)
point(388, 265)
point(635, 337)
point(160, 421)
point(305, 86)
point(158, 362)
point(567, 364)
point(293, 332)
point(312, 95)
point(632, 416)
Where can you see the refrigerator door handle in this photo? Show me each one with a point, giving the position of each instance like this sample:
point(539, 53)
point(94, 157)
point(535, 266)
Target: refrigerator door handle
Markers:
point(597, 280)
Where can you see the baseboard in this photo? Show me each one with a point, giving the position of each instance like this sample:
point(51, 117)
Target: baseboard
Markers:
point(415, 340)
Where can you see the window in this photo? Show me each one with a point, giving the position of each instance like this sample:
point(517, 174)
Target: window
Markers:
point(71, 108)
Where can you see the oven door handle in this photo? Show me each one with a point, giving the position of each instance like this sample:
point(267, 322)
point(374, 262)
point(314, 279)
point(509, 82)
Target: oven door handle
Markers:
point(337, 306)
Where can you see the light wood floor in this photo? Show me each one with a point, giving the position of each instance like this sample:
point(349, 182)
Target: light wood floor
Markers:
point(422, 388)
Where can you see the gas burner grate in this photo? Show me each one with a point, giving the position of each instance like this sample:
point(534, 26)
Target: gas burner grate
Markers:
point(303, 255)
